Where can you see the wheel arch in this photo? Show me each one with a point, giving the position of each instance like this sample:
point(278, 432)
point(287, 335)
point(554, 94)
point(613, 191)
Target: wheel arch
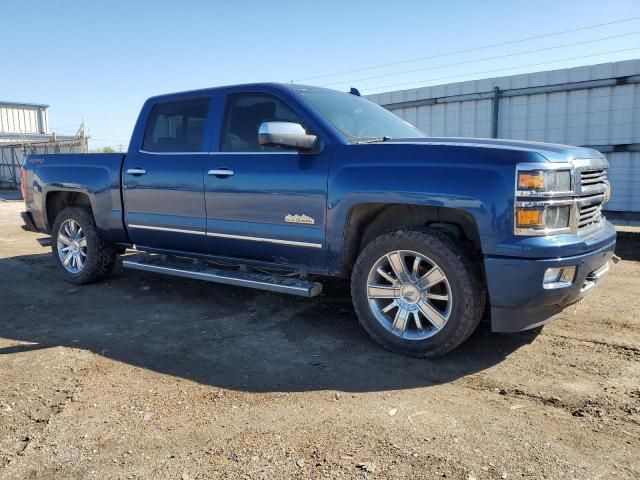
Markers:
point(58, 200)
point(367, 221)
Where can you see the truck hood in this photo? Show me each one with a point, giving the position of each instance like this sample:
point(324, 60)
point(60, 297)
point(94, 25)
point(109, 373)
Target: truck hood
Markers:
point(551, 151)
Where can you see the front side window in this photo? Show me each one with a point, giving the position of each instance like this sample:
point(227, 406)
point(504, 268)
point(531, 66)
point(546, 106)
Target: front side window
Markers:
point(176, 126)
point(245, 113)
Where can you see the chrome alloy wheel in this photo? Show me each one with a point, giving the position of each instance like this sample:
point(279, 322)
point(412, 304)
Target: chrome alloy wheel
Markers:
point(409, 295)
point(72, 246)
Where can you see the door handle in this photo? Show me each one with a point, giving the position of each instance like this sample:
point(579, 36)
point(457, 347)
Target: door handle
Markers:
point(221, 172)
point(136, 171)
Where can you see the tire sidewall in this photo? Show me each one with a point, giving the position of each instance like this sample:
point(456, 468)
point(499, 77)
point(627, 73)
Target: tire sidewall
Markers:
point(84, 219)
point(437, 247)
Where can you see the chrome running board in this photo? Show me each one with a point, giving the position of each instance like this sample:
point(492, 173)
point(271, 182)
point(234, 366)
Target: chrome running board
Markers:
point(199, 270)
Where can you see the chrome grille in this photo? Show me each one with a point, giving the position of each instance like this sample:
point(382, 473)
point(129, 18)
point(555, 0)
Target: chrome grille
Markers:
point(593, 184)
point(590, 178)
point(589, 215)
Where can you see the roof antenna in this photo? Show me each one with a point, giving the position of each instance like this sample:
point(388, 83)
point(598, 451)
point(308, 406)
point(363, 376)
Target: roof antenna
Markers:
point(354, 91)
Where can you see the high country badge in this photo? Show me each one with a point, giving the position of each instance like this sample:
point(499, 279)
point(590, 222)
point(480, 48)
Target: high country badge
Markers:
point(299, 219)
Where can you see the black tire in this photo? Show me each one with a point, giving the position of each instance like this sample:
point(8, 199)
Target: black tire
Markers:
point(100, 258)
point(463, 275)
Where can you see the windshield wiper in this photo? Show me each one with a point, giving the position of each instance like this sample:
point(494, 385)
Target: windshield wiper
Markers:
point(374, 140)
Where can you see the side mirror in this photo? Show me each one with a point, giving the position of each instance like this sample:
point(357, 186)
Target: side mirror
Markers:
point(285, 134)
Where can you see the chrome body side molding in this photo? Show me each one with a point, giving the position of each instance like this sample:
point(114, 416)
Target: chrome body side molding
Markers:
point(278, 241)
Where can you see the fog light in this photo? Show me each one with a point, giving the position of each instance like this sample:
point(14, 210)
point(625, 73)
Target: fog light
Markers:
point(558, 277)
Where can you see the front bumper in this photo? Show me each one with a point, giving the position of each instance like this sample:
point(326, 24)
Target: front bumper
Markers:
point(517, 297)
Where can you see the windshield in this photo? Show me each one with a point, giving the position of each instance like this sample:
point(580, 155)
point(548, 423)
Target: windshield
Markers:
point(358, 119)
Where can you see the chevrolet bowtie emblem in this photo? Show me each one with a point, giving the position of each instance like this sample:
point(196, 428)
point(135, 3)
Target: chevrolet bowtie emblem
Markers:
point(299, 219)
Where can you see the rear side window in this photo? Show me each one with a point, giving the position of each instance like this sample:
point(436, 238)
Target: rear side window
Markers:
point(245, 113)
point(176, 126)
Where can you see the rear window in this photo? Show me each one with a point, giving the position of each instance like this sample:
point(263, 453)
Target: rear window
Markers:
point(176, 126)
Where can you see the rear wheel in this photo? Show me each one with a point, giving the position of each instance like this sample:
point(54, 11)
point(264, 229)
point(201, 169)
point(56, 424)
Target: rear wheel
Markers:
point(79, 252)
point(417, 292)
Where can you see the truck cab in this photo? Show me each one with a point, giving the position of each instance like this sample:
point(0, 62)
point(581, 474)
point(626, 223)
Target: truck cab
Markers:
point(277, 186)
point(230, 195)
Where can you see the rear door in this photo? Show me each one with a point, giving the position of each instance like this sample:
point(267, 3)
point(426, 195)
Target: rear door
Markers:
point(264, 203)
point(163, 180)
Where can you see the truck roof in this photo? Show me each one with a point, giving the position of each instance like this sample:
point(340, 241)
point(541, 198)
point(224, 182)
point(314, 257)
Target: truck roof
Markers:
point(208, 91)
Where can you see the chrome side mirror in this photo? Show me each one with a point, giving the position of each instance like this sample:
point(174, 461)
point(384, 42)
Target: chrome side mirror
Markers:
point(285, 134)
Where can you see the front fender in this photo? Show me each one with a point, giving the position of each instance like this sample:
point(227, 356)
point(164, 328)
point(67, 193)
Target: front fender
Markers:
point(485, 192)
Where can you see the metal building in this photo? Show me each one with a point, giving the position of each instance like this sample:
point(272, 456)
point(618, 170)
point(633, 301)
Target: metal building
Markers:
point(24, 129)
point(596, 106)
point(18, 119)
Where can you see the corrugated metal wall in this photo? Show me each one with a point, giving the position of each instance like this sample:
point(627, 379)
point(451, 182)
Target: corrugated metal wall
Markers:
point(607, 117)
point(17, 118)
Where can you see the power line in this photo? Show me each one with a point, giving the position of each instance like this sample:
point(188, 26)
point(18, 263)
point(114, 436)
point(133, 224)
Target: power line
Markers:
point(475, 49)
point(499, 69)
point(73, 114)
point(53, 126)
point(481, 59)
point(109, 140)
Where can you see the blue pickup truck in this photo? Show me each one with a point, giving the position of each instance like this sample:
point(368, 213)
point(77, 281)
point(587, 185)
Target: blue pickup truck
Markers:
point(275, 186)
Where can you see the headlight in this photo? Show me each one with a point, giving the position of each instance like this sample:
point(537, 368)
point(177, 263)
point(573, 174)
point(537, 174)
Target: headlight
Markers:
point(533, 182)
point(543, 217)
point(544, 203)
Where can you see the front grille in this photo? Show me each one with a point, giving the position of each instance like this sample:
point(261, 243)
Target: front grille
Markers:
point(589, 215)
point(591, 178)
point(593, 183)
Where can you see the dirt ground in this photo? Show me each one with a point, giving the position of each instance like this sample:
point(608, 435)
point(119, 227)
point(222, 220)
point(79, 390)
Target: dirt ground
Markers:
point(147, 376)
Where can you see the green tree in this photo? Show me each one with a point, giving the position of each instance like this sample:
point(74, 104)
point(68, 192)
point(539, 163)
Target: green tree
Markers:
point(108, 150)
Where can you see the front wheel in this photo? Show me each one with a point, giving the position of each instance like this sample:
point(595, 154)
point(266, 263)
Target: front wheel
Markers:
point(79, 252)
point(417, 292)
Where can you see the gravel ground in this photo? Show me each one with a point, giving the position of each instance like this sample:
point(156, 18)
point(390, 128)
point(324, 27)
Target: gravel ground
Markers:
point(148, 376)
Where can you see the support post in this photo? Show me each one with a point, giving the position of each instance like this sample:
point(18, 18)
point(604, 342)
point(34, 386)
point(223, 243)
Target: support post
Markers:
point(14, 162)
point(496, 112)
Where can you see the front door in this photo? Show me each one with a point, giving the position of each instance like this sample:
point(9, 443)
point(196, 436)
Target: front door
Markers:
point(264, 203)
point(163, 181)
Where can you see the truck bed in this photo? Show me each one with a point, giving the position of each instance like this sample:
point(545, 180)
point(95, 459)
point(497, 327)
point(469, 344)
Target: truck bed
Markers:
point(95, 175)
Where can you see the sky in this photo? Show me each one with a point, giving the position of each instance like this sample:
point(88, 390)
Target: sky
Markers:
point(98, 61)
